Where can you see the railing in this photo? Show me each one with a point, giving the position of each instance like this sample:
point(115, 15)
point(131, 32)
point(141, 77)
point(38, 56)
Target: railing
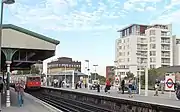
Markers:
point(165, 48)
point(163, 55)
point(167, 42)
point(142, 48)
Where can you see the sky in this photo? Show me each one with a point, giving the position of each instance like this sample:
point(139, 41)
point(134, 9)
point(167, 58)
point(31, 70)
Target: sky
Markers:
point(87, 29)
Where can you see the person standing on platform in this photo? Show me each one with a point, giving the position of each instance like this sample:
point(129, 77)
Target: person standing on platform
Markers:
point(60, 83)
point(1, 91)
point(162, 84)
point(108, 85)
point(177, 91)
point(123, 86)
point(85, 83)
point(77, 84)
point(130, 88)
point(156, 87)
point(80, 84)
point(98, 87)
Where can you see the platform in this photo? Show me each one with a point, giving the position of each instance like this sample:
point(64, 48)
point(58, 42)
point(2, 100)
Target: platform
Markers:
point(162, 99)
point(31, 104)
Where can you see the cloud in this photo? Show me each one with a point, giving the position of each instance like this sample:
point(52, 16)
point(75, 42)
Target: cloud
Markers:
point(171, 17)
point(140, 5)
point(173, 3)
point(170, 13)
point(149, 8)
point(66, 14)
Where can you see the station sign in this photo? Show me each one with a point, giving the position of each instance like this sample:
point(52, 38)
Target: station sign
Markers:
point(169, 82)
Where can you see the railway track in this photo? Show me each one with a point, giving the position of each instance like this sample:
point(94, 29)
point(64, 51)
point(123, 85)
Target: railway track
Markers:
point(67, 105)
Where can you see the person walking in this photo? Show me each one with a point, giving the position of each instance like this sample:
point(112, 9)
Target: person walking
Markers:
point(130, 88)
point(20, 86)
point(123, 86)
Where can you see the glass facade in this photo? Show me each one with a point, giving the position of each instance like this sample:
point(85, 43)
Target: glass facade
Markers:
point(133, 30)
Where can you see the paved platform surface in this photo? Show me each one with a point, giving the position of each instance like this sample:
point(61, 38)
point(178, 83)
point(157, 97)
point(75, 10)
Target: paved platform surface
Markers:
point(162, 99)
point(30, 105)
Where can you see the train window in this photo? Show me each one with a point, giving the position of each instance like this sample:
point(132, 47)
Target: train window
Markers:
point(30, 78)
point(37, 78)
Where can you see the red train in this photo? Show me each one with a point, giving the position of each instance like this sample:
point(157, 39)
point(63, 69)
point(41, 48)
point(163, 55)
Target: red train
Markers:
point(31, 81)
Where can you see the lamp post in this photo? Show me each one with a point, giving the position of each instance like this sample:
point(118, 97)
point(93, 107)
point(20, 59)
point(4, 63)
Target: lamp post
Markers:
point(1, 22)
point(87, 61)
point(8, 103)
point(65, 75)
point(95, 70)
point(115, 70)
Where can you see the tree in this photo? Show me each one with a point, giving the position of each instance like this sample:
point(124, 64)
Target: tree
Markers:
point(153, 74)
point(34, 70)
point(129, 75)
point(101, 78)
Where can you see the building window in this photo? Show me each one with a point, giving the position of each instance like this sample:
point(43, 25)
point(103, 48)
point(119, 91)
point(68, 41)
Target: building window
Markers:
point(153, 60)
point(120, 53)
point(152, 46)
point(152, 66)
point(128, 40)
point(152, 53)
point(152, 32)
point(128, 53)
point(128, 60)
point(152, 39)
point(121, 60)
point(164, 33)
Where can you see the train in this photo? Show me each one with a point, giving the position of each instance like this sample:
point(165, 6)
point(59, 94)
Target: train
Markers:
point(32, 82)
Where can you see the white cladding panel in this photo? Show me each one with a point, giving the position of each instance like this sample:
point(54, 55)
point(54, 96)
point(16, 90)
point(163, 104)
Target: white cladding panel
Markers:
point(15, 39)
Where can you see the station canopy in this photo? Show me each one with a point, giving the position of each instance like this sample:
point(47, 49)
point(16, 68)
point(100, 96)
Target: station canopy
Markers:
point(28, 47)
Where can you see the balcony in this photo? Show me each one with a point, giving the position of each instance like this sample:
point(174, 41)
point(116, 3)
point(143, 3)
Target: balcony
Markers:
point(165, 55)
point(165, 42)
point(165, 48)
point(165, 63)
point(165, 35)
point(142, 42)
point(143, 49)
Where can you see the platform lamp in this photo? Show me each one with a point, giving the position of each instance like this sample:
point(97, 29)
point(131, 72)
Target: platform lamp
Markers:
point(1, 26)
point(88, 81)
point(95, 71)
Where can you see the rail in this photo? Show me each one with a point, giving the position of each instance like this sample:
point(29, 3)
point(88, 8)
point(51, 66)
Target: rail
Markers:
point(74, 101)
point(66, 104)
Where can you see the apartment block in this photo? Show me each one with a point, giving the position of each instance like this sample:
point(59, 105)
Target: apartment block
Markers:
point(144, 45)
point(176, 51)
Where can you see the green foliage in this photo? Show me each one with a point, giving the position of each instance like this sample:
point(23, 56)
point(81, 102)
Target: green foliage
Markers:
point(153, 74)
point(101, 78)
point(129, 75)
